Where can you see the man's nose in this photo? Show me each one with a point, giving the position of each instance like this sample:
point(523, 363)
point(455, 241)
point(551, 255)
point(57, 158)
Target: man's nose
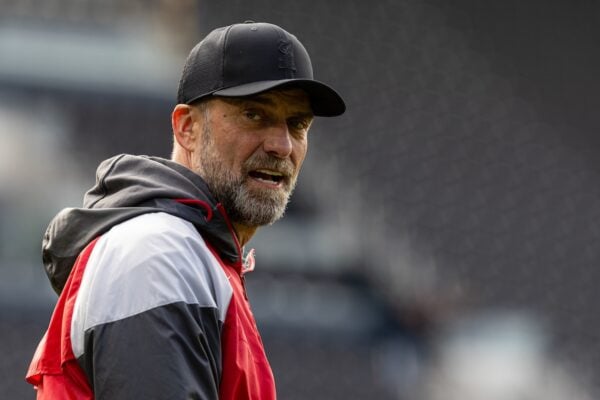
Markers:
point(278, 141)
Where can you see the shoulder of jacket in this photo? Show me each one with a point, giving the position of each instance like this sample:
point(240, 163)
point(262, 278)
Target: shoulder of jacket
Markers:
point(150, 261)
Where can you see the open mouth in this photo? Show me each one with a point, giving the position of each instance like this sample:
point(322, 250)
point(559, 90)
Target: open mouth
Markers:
point(267, 176)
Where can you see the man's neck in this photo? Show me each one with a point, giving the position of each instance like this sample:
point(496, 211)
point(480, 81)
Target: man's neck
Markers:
point(244, 233)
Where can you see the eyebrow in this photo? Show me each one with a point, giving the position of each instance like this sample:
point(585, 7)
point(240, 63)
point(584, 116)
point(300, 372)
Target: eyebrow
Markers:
point(308, 115)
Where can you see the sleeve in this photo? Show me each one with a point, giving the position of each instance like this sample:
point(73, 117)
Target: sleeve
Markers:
point(148, 319)
point(169, 352)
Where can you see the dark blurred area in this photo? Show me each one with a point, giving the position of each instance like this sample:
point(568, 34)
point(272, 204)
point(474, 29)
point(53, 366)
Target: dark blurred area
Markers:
point(443, 239)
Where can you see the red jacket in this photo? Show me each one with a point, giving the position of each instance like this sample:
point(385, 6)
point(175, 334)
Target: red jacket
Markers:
point(154, 307)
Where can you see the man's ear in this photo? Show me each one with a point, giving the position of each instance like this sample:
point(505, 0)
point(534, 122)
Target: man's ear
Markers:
point(182, 122)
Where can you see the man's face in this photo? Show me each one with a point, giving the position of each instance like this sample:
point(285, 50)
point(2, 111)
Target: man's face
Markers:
point(251, 151)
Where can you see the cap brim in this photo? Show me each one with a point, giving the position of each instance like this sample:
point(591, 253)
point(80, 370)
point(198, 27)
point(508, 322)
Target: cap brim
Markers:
point(324, 101)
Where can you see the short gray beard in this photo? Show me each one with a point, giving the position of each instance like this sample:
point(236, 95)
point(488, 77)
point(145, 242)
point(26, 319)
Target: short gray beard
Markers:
point(249, 208)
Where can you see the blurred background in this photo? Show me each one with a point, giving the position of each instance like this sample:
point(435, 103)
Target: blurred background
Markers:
point(443, 240)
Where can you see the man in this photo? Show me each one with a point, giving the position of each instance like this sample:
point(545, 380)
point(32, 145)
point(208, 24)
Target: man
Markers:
point(150, 271)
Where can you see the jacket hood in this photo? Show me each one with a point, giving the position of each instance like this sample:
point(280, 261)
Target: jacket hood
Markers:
point(128, 186)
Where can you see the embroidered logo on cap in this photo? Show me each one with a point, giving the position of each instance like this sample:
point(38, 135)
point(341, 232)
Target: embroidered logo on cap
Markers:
point(286, 58)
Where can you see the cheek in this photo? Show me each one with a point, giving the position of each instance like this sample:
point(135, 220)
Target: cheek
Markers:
point(299, 153)
point(230, 151)
point(238, 153)
point(244, 147)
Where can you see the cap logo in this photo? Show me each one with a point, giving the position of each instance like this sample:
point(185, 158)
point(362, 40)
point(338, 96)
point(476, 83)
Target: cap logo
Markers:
point(286, 58)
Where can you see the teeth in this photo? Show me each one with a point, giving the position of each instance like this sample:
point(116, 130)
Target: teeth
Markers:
point(267, 172)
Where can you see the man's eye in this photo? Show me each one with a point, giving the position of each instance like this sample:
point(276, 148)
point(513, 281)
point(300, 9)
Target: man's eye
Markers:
point(299, 123)
point(252, 115)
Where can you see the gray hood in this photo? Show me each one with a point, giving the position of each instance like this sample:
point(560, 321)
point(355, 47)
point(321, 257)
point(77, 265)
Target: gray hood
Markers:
point(128, 186)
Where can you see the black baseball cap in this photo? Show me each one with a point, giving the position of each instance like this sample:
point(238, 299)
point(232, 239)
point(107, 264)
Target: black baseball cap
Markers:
point(249, 58)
